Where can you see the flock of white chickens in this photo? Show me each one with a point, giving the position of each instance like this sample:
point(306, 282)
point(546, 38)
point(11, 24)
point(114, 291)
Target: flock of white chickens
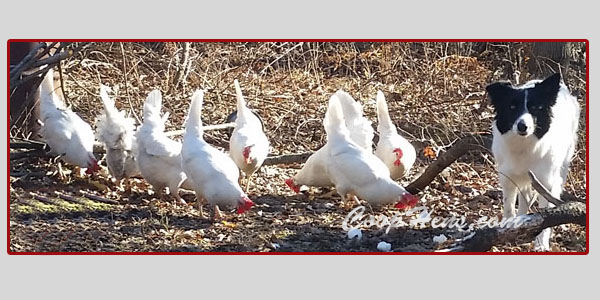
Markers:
point(347, 161)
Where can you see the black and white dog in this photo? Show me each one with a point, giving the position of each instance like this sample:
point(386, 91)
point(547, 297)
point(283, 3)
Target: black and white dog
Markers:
point(535, 129)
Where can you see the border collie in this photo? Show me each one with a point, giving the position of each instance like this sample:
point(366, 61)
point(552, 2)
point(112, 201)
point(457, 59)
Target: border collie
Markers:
point(535, 129)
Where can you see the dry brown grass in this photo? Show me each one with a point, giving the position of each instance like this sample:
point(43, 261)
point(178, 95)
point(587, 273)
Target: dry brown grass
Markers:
point(435, 91)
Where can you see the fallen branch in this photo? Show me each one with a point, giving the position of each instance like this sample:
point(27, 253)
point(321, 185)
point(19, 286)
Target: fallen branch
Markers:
point(97, 198)
point(43, 199)
point(26, 154)
point(68, 198)
point(464, 145)
point(531, 224)
point(205, 128)
point(287, 159)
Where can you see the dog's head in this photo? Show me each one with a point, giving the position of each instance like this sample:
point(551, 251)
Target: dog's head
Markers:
point(527, 109)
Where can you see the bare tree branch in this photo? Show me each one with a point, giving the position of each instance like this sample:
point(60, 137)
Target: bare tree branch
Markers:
point(537, 185)
point(531, 224)
point(463, 146)
point(287, 159)
point(26, 61)
point(205, 128)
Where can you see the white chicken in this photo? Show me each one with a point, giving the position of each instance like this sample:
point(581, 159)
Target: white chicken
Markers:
point(394, 150)
point(116, 132)
point(248, 145)
point(158, 156)
point(213, 173)
point(356, 171)
point(314, 172)
point(66, 133)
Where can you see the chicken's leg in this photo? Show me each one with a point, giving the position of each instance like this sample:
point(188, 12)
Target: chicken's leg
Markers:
point(174, 191)
point(79, 171)
point(345, 203)
point(354, 198)
point(248, 182)
point(200, 211)
point(128, 185)
point(61, 172)
point(178, 199)
point(120, 185)
point(217, 215)
point(329, 194)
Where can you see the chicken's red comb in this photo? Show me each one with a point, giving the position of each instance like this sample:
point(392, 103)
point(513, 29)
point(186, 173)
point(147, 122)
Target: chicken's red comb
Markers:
point(245, 205)
point(292, 185)
point(398, 152)
point(246, 151)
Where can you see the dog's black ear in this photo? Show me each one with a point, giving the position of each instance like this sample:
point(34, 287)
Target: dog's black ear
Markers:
point(498, 91)
point(548, 89)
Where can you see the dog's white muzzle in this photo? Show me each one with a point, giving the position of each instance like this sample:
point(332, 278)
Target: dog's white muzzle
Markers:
point(524, 125)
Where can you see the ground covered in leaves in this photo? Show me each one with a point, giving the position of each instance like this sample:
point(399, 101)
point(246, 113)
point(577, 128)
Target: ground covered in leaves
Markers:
point(435, 92)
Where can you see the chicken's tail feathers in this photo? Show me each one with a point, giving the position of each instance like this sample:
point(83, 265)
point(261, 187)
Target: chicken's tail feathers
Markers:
point(334, 119)
point(113, 128)
point(194, 117)
point(351, 109)
point(47, 85)
point(241, 102)
point(107, 102)
point(46, 90)
point(361, 130)
point(383, 116)
point(152, 105)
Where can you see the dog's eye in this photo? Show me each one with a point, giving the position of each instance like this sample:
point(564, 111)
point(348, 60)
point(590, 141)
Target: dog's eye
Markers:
point(513, 107)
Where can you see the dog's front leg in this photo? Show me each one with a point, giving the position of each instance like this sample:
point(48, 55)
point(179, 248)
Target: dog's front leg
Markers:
point(542, 241)
point(526, 198)
point(509, 196)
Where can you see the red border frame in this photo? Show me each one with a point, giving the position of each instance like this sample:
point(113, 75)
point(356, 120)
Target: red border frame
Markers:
point(587, 127)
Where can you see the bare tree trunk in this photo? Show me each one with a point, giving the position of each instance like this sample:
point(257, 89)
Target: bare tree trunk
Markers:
point(550, 57)
point(24, 101)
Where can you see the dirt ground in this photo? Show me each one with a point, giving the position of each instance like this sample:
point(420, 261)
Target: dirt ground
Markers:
point(435, 91)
